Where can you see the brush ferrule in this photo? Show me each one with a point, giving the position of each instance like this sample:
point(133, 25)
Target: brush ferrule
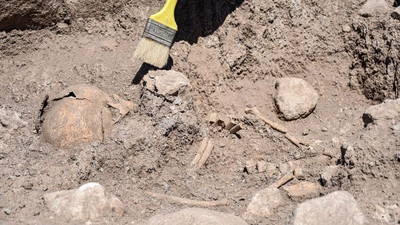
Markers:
point(159, 32)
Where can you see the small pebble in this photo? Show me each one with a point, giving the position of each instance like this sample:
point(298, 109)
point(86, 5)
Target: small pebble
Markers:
point(261, 166)
point(346, 28)
point(7, 211)
point(299, 174)
point(250, 166)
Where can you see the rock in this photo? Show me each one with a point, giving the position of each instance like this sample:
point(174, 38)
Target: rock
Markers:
point(396, 13)
point(337, 208)
point(81, 114)
point(262, 166)
point(88, 202)
point(303, 189)
point(374, 8)
point(213, 118)
point(251, 166)
point(263, 204)
point(284, 168)
point(271, 170)
point(347, 153)
point(346, 28)
point(299, 174)
point(396, 127)
point(295, 98)
point(327, 174)
point(389, 110)
point(168, 83)
point(195, 216)
point(172, 116)
point(7, 211)
point(62, 25)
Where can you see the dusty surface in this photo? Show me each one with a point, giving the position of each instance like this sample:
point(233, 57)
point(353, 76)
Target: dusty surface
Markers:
point(232, 51)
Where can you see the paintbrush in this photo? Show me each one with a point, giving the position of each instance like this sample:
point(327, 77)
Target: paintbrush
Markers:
point(158, 36)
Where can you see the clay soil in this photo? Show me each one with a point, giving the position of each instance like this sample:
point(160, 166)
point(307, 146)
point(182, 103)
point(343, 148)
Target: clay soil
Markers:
point(232, 51)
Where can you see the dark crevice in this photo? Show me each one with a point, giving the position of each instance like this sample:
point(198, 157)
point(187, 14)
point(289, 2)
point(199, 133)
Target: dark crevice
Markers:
point(39, 119)
point(70, 94)
point(102, 126)
point(396, 80)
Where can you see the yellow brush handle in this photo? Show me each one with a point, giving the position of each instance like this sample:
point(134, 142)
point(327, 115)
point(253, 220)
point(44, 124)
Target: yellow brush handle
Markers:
point(166, 15)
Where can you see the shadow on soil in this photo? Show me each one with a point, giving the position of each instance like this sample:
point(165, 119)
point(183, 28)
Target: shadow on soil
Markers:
point(200, 18)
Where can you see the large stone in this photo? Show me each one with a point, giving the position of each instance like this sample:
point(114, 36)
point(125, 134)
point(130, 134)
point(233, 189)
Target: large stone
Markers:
point(374, 8)
point(263, 204)
point(295, 98)
point(337, 208)
point(88, 202)
point(387, 111)
point(195, 216)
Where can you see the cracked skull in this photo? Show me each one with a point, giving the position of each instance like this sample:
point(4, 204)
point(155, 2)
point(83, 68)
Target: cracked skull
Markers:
point(81, 114)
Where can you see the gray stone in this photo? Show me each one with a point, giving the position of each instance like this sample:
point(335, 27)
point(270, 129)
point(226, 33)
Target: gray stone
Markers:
point(195, 216)
point(382, 113)
point(168, 83)
point(337, 208)
point(251, 166)
point(263, 204)
point(396, 13)
point(262, 166)
point(271, 170)
point(327, 174)
point(7, 211)
point(299, 174)
point(90, 201)
point(374, 8)
point(346, 28)
point(396, 127)
point(295, 98)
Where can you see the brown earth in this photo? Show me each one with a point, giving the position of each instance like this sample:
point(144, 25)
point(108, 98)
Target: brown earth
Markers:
point(233, 51)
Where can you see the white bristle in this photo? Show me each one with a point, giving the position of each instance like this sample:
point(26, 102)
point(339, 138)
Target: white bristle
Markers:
point(152, 52)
